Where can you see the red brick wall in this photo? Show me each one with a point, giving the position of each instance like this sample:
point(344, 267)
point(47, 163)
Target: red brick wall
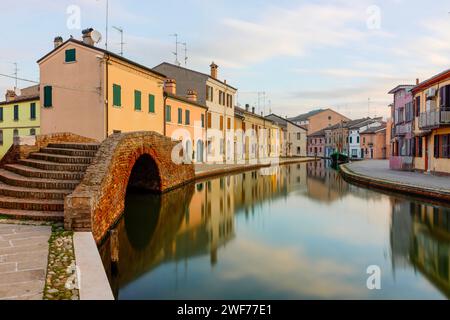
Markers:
point(98, 202)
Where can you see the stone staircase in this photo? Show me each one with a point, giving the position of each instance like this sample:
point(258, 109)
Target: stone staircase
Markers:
point(35, 188)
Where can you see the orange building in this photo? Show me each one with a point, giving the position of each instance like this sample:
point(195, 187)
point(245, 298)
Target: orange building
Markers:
point(319, 119)
point(184, 120)
point(373, 142)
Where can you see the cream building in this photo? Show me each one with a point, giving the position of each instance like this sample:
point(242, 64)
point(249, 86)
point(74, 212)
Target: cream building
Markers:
point(293, 137)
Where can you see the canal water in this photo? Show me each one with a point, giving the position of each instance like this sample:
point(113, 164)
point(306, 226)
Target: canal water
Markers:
point(294, 232)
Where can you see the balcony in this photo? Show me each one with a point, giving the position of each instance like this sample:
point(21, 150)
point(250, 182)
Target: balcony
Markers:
point(434, 119)
point(403, 129)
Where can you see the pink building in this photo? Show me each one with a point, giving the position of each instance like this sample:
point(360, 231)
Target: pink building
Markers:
point(316, 144)
point(402, 136)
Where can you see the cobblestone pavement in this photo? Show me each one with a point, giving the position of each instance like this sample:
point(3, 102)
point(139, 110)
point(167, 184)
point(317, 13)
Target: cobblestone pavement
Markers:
point(23, 261)
point(379, 169)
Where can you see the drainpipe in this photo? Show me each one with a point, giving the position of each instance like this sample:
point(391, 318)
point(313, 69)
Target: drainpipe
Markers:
point(107, 95)
point(164, 113)
point(205, 138)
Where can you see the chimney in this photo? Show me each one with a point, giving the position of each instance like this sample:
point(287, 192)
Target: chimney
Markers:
point(10, 95)
point(87, 38)
point(214, 68)
point(170, 86)
point(192, 95)
point(247, 106)
point(253, 109)
point(58, 41)
point(417, 81)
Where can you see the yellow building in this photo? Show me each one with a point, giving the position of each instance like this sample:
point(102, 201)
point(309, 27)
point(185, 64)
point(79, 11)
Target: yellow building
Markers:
point(432, 124)
point(94, 93)
point(19, 116)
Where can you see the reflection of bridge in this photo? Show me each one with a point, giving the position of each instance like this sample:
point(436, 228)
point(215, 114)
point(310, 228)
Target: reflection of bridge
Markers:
point(192, 220)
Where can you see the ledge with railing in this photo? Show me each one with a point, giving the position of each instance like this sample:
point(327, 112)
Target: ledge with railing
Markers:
point(434, 118)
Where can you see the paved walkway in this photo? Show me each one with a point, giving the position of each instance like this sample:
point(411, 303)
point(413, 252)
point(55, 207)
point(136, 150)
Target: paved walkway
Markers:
point(379, 169)
point(23, 261)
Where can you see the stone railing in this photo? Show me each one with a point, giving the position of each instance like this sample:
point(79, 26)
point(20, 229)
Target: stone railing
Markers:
point(23, 146)
point(124, 160)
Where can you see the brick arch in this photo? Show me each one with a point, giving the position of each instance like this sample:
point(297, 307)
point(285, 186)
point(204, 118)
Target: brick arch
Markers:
point(98, 201)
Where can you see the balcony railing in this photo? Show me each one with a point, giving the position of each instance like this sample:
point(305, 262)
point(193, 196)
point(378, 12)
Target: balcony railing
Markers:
point(434, 119)
point(403, 129)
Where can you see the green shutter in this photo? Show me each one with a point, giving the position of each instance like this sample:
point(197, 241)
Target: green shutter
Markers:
point(48, 96)
point(70, 55)
point(33, 111)
point(188, 117)
point(137, 100)
point(151, 103)
point(180, 115)
point(117, 95)
point(168, 113)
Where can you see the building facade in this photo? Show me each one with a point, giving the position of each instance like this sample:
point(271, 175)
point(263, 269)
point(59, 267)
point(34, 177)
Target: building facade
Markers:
point(293, 137)
point(316, 144)
point(219, 98)
point(432, 124)
point(94, 93)
point(185, 120)
point(402, 131)
point(373, 142)
point(19, 116)
point(319, 119)
point(354, 138)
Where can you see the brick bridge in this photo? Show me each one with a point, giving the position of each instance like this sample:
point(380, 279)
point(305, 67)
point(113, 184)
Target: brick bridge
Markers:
point(141, 160)
point(67, 177)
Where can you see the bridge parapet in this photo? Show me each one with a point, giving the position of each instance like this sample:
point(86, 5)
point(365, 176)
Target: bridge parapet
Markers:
point(124, 160)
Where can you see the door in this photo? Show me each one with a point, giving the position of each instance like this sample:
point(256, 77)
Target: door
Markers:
point(199, 151)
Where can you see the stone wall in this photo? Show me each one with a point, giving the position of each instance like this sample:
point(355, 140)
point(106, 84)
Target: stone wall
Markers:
point(23, 146)
point(98, 202)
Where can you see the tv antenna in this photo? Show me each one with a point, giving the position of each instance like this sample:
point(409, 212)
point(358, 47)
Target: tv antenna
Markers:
point(16, 72)
point(184, 44)
point(176, 48)
point(121, 39)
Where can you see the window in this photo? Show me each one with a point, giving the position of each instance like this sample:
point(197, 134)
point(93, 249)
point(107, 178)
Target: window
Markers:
point(444, 98)
point(70, 55)
point(1, 137)
point(188, 117)
point(229, 123)
point(221, 122)
point(117, 95)
point(442, 146)
point(298, 150)
point(1, 113)
point(32, 132)
point(203, 120)
point(33, 111)
point(364, 140)
point(436, 146)
point(15, 133)
point(168, 113)
point(417, 102)
point(151, 103)
point(137, 100)
point(419, 142)
point(357, 139)
point(180, 116)
point(48, 99)
point(209, 94)
point(16, 113)
point(299, 135)
point(351, 139)
point(209, 120)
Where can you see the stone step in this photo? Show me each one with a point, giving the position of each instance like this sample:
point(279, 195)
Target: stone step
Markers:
point(15, 179)
point(60, 158)
point(69, 152)
point(80, 146)
point(53, 166)
point(21, 192)
point(33, 215)
point(31, 204)
point(44, 174)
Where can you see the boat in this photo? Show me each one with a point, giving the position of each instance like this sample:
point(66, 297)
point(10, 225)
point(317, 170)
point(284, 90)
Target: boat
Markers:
point(339, 158)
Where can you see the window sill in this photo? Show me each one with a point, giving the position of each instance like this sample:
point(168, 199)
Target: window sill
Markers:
point(70, 62)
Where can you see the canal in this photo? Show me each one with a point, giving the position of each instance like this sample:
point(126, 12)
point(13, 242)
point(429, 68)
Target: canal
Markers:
point(295, 232)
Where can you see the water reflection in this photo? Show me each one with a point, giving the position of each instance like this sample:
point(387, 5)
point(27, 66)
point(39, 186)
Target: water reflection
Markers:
point(296, 231)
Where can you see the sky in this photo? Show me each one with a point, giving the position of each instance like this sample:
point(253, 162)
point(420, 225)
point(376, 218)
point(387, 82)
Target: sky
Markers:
point(304, 55)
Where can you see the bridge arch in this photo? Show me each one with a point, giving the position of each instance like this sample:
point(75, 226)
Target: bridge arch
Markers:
point(124, 160)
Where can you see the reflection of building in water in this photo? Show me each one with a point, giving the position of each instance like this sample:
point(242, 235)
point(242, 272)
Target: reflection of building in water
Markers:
point(400, 233)
point(431, 246)
point(420, 235)
point(325, 184)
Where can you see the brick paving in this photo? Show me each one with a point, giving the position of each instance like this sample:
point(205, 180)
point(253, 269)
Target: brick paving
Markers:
point(379, 169)
point(23, 261)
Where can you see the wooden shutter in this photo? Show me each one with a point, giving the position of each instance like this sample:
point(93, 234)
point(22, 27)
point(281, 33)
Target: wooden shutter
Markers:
point(151, 103)
point(188, 117)
point(209, 120)
point(117, 95)
point(48, 96)
point(70, 55)
point(168, 113)
point(436, 146)
point(137, 100)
